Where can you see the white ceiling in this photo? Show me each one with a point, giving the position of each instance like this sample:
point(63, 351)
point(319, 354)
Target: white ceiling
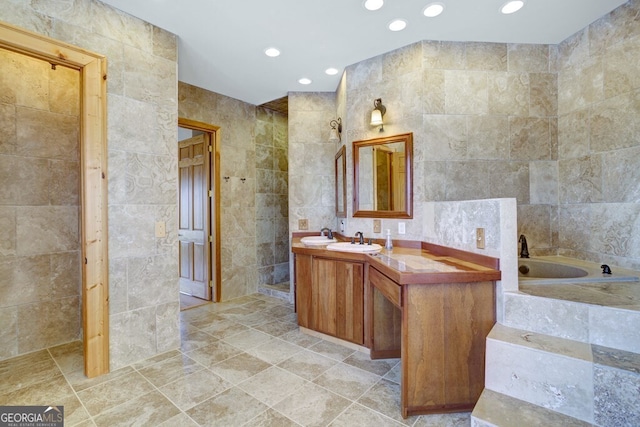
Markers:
point(221, 42)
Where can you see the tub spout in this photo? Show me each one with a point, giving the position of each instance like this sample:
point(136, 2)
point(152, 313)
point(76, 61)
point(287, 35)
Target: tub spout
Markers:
point(524, 248)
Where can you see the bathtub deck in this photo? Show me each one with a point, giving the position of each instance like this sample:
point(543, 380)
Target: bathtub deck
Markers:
point(624, 295)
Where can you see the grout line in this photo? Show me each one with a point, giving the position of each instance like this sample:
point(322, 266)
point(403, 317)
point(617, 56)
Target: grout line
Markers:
point(73, 390)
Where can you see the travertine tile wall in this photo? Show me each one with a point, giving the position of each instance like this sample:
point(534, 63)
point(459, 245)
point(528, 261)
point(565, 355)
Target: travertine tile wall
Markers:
point(272, 190)
point(40, 271)
point(483, 117)
point(553, 126)
point(237, 122)
point(311, 160)
point(142, 164)
point(599, 140)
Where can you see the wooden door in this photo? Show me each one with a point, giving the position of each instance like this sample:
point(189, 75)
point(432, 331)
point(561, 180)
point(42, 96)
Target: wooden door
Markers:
point(193, 233)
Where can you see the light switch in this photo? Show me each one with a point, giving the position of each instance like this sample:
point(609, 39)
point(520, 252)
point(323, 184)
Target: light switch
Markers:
point(480, 238)
point(377, 226)
point(401, 228)
point(161, 230)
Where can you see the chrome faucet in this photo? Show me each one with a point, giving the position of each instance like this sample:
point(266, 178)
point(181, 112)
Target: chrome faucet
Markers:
point(329, 233)
point(359, 233)
point(524, 249)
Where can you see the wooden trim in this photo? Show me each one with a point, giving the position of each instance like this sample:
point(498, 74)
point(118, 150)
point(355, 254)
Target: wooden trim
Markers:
point(407, 138)
point(95, 295)
point(341, 193)
point(214, 206)
point(93, 159)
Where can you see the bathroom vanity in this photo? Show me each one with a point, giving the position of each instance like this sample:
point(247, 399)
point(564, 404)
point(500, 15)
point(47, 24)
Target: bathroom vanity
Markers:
point(432, 306)
point(330, 295)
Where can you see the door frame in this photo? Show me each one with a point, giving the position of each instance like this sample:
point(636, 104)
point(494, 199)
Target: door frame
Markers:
point(93, 192)
point(213, 207)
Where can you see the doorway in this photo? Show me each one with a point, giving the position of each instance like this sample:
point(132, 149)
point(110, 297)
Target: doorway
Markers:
point(93, 179)
point(198, 213)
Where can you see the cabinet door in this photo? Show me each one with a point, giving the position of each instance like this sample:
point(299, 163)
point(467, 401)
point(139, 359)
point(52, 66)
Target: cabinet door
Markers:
point(303, 279)
point(338, 303)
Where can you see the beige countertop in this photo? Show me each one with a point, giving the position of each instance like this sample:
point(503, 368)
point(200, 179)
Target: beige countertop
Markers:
point(411, 262)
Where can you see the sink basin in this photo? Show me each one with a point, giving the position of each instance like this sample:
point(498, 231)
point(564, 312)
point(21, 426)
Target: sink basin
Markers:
point(349, 247)
point(316, 240)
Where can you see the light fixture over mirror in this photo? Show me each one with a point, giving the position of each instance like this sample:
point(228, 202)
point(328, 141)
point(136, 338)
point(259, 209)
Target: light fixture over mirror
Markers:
point(378, 113)
point(336, 130)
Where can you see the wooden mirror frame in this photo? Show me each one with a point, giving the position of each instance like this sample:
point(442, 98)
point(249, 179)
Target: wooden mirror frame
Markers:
point(407, 139)
point(341, 193)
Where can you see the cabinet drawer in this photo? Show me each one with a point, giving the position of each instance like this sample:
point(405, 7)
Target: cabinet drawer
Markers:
point(389, 288)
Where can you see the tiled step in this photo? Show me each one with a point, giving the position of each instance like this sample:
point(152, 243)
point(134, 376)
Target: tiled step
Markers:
point(498, 410)
point(591, 383)
point(607, 326)
point(276, 292)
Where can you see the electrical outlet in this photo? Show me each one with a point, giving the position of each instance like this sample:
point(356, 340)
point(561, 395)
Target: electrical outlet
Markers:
point(303, 224)
point(377, 226)
point(401, 228)
point(161, 229)
point(480, 238)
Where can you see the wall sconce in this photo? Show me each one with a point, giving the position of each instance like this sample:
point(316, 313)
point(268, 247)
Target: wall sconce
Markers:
point(378, 113)
point(336, 130)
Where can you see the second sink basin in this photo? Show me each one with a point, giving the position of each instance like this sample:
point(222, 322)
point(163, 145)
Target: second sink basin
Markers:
point(316, 240)
point(350, 247)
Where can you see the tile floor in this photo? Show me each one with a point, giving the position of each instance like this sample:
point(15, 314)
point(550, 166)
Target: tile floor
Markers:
point(241, 363)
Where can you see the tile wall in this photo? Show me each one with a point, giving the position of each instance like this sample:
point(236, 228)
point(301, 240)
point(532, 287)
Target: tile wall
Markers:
point(599, 140)
point(272, 189)
point(554, 127)
point(142, 164)
point(255, 247)
point(238, 201)
point(483, 116)
point(312, 160)
point(40, 271)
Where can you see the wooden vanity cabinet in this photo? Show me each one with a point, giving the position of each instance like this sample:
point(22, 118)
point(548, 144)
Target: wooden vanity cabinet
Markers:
point(439, 330)
point(330, 296)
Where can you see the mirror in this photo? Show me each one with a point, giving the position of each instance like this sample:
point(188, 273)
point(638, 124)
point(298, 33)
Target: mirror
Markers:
point(341, 182)
point(382, 177)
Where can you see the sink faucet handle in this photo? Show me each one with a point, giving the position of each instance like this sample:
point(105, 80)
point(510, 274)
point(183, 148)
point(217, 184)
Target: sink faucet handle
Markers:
point(329, 232)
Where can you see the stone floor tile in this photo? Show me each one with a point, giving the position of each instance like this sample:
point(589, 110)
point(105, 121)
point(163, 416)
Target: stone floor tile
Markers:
point(312, 406)
point(232, 407)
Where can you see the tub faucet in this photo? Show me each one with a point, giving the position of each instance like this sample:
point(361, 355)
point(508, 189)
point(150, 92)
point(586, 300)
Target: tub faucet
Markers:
point(524, 249)
point(359, 233)
point(329, 233)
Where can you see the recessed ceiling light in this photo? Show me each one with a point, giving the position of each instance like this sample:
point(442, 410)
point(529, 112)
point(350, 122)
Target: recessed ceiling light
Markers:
point(397, 25)
point(272, 52)
point(331, 71)
point(433, 9)
point(512, 6)
point(304, 81)
point(373, 4)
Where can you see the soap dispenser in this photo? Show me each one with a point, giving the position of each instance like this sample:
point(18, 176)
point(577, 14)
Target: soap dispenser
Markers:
point(388, 244)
